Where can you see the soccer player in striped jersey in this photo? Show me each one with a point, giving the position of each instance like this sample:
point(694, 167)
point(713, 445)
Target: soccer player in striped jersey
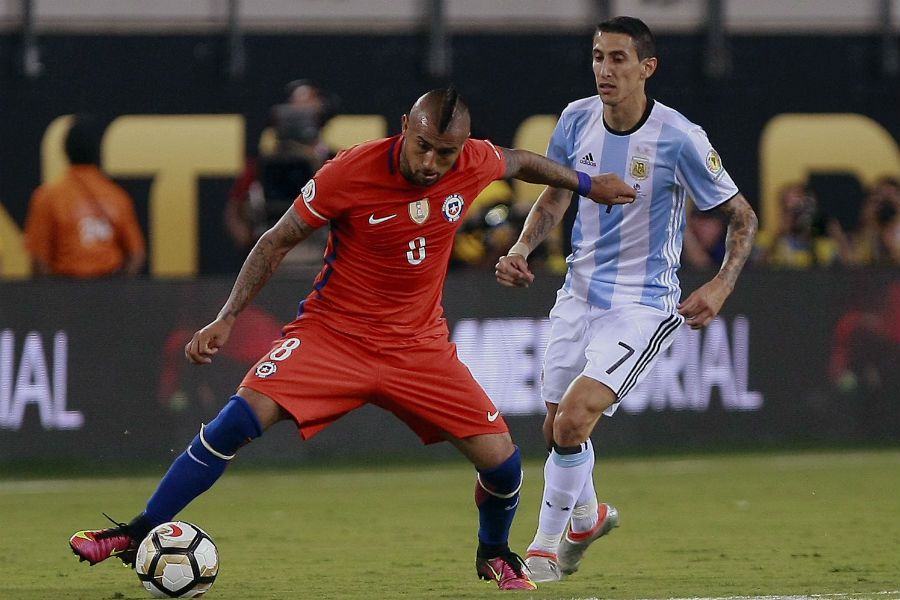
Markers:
point(619, 307)
point(372, 329)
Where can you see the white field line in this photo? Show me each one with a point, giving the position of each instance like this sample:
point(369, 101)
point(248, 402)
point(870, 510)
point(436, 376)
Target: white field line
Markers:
point(835, 596)
point(892, 595)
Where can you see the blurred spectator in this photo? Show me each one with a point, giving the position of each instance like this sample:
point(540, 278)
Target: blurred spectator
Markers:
point(84, 225)
point(491, 227)
point(865, 358)
point(290, 152)
point(877, 317)
point(704, 239)
point(806, 236)
point(877, 239)
point(488, 214)
point(181, 386)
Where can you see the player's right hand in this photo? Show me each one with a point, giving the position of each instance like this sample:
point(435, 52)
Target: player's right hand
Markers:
point(609, 189)
point(512, 271)
point(207, 341)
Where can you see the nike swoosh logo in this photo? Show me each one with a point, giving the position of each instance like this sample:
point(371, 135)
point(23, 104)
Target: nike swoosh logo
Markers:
point(194, 458)
point(376, 221)
point(492, 416)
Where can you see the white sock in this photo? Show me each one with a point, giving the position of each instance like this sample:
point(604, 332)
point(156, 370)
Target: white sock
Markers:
point(584, 516)
point(564, 477)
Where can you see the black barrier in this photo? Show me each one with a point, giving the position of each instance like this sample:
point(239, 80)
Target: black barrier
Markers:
point(95, 371)
point(506, 79)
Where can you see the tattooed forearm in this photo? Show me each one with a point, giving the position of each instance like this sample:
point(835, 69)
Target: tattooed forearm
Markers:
point(534, 168)
point(538, 225)
point(546, 213)
point(742, 226)
point(263, 260)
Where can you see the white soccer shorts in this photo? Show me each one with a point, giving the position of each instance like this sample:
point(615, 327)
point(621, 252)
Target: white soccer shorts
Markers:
point(615, 346)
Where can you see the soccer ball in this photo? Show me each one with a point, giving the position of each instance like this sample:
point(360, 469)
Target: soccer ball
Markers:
point(177, 560)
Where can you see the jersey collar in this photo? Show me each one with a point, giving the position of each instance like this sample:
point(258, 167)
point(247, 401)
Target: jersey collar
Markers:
point(647, 110)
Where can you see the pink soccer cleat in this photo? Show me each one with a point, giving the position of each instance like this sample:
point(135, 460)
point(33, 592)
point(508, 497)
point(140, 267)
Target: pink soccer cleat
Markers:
point(508, 570)
point(99, 544)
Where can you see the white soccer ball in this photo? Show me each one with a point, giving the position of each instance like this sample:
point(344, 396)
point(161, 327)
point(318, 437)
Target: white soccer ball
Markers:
point(177, 560)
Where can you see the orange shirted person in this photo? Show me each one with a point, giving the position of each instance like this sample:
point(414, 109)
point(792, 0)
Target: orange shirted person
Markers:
point(84, 225)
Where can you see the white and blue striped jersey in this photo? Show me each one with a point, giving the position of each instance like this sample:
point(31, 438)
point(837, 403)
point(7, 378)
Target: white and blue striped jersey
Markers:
point(631, 253)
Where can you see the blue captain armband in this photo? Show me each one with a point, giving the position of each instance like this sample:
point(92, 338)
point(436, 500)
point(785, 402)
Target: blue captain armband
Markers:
point(584, 183)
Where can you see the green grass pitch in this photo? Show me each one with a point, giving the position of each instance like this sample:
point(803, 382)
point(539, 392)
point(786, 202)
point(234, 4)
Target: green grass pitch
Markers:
point(706, 526)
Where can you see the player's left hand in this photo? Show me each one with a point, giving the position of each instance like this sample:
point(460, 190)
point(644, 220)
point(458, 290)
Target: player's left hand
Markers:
point(512, 271)
point(702, 306)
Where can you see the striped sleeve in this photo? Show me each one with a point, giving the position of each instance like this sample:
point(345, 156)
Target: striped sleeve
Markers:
point(701, 172)
point(560, 146)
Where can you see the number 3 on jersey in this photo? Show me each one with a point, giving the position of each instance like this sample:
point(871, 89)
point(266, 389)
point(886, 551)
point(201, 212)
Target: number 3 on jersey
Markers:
point(416, 253)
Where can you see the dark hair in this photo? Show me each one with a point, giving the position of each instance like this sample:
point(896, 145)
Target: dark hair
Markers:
point(291, 86)
point(451, 97)
point(889, 181)
point(331, 102)
point(83, 141)
point(444, 104)
point(885, 213)
point(637, 30)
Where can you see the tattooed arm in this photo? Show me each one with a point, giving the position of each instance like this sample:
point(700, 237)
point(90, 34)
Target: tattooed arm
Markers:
point(702, 306)
point(742, 225)
point(605, 188)
point(262, 261)
point(512, 270)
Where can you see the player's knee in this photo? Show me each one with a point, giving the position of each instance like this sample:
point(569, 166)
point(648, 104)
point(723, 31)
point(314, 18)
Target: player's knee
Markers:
point(266, 410)
point(571, 428)
point(235, 425)
point(505, 479)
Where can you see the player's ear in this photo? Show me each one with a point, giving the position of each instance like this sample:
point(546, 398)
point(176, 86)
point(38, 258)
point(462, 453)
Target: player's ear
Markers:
point(404, 124)
point(648, 67)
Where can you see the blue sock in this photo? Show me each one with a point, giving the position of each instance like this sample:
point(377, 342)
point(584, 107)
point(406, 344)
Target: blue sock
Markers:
point(497, 497)
point(198, 467)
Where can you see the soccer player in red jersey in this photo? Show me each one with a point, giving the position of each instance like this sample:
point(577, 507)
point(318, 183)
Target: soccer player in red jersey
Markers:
point(372, 329)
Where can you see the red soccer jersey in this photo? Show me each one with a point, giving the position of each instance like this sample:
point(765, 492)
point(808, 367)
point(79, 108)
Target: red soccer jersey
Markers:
point(390, 242)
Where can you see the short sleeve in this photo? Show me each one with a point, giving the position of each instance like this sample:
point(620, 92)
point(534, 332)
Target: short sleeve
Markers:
point(487, 160)
point(559, 149)
point(701, 172)
point(322, 198)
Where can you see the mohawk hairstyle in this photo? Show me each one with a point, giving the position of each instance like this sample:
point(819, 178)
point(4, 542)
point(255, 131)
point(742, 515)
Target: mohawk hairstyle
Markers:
point(448, 107)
